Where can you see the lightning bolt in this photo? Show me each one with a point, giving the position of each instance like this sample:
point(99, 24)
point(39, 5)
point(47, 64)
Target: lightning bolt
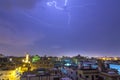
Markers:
point(66, 1)
point(54, 4)
point(65, 8)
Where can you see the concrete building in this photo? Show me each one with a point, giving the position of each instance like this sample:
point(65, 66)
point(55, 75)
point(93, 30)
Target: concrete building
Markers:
point(42, 64)
point(88, 74)
point(34, 77)
point(39, 75)
point(109, 76)
point(88, 71)
point(101, 72)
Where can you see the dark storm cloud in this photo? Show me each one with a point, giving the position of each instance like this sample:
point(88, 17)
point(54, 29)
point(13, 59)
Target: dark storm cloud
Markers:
point(94, 29)
point(9, 4)
point(10, 36)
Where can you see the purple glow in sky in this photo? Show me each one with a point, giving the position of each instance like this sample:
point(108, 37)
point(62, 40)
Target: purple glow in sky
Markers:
point(63, 27)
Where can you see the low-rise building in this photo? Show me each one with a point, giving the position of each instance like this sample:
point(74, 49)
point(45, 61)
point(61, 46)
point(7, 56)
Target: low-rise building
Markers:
point(88, 71)
point(88, 74)
point(39, 75)
point(42, 64)
point(110, 75)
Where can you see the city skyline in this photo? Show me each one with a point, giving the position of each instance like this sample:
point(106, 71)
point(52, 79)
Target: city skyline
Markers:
point(51, 27)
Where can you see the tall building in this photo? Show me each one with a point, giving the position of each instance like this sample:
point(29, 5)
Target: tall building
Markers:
point(87, 71)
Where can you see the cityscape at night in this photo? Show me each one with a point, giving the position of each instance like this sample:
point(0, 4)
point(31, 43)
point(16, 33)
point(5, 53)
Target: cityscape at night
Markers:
point(59, 39)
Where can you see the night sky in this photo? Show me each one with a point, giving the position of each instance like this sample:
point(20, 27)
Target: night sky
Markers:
point(86, 27)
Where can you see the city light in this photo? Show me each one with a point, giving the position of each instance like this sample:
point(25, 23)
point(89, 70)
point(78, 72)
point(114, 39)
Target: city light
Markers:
point(26, 60)
point(35, 58)
point(67, 64)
